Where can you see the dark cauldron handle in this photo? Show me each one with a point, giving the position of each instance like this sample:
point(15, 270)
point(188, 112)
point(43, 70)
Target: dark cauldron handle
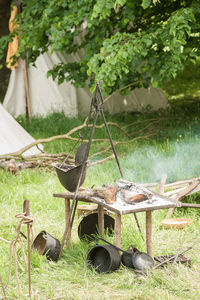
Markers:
point(114, 246)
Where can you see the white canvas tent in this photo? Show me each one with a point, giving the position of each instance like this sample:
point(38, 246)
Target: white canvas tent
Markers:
point(46, 96)
point(13, 136)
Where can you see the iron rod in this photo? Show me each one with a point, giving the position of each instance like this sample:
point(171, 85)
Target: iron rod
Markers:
point(74, 203)
point(108, 132)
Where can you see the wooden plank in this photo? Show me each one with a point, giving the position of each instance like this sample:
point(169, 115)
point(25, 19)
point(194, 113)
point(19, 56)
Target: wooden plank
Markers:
point(123, 210)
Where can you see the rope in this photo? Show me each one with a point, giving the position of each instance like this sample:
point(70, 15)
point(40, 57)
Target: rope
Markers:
point(27, 220)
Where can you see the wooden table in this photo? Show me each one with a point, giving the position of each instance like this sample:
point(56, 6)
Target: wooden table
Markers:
point(119, 208)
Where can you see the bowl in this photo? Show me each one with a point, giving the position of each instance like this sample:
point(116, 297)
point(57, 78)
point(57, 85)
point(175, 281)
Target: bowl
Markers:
point(177, 223)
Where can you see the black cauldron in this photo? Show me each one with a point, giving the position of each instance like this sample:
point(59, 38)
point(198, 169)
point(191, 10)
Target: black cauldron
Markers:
point(46, 244)
point(88, 227)
point(103, 258)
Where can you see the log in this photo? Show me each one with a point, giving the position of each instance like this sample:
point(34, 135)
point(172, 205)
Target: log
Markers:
point(107, 193)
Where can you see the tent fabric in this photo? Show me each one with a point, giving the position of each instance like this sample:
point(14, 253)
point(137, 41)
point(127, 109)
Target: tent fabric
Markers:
point(13, 136)
point(46, 96)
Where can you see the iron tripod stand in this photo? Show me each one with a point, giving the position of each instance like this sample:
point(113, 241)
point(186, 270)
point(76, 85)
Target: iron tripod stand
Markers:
point(96, 107)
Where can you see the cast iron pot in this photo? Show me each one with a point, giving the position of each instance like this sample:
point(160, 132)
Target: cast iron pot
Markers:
point(103, 258)
point(133, 258)
point(46, 244)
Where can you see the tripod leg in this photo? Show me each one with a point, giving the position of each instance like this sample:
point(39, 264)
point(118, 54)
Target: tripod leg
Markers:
point(111, 142)
point(107, 129)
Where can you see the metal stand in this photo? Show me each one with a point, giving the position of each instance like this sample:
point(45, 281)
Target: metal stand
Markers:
point(96, 107)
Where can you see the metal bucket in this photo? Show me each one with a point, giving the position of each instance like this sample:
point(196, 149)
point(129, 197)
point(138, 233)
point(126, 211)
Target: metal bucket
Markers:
point(88, 227)
point(69, 175)
point(104, 258)
point(46, 244)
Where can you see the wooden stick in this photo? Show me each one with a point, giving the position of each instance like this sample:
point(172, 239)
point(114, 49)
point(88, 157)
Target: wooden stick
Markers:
point(173, 192)
point(181, 194)
point(67, 221)
point(101, 219)
point(149, 232)
point(28, 103)
point(3, 289)
point(162, 184)
point(138, 225)
point(101, 161)
point(27, 213)
point(172, 257)
point(118, 225)
point(181, 182)
point(192, 205)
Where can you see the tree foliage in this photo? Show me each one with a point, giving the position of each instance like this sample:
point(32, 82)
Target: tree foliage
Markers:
point(145, 42)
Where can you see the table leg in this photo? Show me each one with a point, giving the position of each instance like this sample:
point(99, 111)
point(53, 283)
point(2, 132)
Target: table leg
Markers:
point(101, 220)
point(67, 229)
point(118, 225)
point(149, 232)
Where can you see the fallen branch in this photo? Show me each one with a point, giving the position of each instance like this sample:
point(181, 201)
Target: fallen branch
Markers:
point(19, 154)
point(101, 161)
point(100, 152)
point(138, 122)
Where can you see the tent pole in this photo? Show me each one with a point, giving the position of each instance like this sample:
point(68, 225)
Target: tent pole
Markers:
point(27, 91)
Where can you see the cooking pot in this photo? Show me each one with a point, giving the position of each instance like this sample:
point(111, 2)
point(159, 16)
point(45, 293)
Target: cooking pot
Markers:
point(133, 258)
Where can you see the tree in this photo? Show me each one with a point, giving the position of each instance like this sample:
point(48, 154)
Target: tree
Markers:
point(125, 42)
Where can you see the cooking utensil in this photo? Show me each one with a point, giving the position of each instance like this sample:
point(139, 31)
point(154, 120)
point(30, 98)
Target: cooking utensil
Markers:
point(103, 258)
point(133, 258)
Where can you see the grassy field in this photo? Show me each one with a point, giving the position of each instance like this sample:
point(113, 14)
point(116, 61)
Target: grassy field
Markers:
point(171, 146)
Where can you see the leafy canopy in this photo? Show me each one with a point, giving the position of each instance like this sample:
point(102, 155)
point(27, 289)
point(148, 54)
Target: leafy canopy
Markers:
point(144, 42)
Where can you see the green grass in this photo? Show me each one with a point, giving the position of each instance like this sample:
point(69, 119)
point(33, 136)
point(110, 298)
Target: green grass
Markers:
point(173, 149)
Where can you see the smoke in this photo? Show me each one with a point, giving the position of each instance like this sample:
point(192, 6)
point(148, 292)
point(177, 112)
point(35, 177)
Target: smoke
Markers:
point(179, 160)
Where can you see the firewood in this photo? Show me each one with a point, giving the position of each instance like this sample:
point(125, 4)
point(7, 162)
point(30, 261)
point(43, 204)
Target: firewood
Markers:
point(108, 194)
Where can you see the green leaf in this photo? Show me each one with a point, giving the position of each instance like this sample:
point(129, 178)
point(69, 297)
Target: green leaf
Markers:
point(146, 3)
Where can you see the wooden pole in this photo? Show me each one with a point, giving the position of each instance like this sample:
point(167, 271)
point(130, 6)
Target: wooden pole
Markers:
point(138, 224)
point(27, 213)
point(3, 288)
point(162, 184)
point(27, 92)
point(118, 225)
point(67, 222)
point(101, 219)
point(149, 232)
